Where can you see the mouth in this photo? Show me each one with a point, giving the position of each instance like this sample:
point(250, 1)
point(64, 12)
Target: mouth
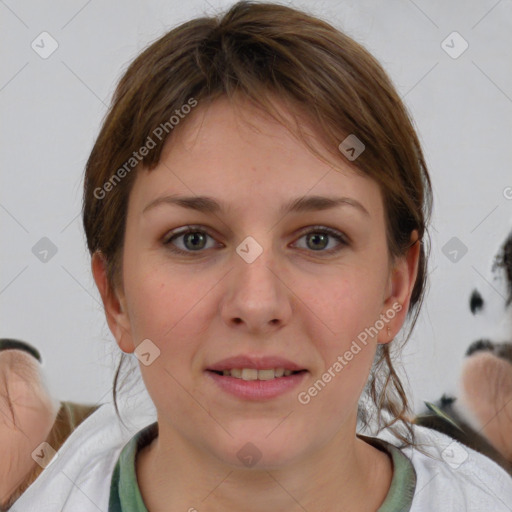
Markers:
point(256, 377)
point(251, 374)
point(256, 384)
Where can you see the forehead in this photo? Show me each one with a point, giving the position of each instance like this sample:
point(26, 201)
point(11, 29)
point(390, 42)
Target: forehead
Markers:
point(245, 158)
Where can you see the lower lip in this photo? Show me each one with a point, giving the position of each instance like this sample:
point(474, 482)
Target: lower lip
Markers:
point(257, 389)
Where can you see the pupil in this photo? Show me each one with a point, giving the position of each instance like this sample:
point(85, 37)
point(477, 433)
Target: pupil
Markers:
point(195, 237)
point(322, 236)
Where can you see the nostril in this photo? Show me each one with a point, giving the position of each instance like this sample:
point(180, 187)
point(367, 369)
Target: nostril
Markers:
point(480, 346)
point(476, 303)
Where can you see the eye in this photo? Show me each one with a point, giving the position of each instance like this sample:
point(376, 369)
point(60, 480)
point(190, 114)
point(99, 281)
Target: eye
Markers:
point(194, 239)
point(317, 239)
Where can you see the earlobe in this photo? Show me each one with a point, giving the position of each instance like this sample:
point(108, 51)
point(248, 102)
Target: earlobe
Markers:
point(115, 310)
point(402, 281)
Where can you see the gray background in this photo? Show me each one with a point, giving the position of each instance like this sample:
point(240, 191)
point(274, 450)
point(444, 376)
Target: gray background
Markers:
point(51, 112)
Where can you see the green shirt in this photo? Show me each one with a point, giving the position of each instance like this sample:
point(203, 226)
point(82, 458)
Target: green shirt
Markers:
point(125, 494)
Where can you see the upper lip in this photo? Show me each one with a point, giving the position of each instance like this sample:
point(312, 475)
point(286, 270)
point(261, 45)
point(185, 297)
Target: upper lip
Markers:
point(258, 363)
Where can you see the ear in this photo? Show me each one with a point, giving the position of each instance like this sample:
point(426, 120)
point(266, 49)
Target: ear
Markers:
point(114, 304)
point(400, 286)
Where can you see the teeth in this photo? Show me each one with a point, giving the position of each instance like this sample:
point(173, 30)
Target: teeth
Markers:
point(249, 374)
point(253, 374)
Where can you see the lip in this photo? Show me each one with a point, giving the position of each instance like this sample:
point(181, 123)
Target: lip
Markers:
point(257, 390)
point(254, 362)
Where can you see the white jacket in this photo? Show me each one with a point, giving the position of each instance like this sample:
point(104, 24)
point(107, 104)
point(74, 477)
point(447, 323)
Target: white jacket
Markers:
point(78, 478)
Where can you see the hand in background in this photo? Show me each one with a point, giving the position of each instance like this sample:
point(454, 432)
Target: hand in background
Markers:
point(27, 415)
point(487, 393)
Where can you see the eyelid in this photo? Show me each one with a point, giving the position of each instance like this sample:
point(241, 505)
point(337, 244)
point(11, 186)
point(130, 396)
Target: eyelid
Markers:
point(184, 230)
point(334, 232)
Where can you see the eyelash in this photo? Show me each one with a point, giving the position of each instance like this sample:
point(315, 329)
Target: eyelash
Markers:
point(167, 241)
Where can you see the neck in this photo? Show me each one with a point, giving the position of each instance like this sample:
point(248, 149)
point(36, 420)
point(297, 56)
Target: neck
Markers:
point(347, 473)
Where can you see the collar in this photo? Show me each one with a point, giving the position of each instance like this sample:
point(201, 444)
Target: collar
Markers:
point(125, 494)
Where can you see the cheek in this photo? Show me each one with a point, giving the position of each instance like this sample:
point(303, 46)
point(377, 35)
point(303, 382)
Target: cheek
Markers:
point(341, 319)
point(165, 310)
point(342, 306)
point(161, 306)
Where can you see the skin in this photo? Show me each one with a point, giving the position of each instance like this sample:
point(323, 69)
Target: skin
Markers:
point(35, 412)
point(486, 390)
point(292, 301)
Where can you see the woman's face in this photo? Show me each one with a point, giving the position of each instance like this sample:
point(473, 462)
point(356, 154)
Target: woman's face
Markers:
point(255, 279)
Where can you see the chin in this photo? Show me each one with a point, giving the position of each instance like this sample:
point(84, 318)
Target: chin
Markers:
point(259, 452)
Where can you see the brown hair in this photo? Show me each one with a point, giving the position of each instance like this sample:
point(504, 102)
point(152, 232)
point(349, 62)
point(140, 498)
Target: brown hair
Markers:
point(261, 51)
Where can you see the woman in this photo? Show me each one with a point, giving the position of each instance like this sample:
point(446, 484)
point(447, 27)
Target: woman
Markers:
point(255, 207)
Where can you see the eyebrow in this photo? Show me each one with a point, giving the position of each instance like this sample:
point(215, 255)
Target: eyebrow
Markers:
point(208, 204)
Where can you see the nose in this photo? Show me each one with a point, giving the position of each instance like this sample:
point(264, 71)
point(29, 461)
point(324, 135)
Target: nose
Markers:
point(257, 297)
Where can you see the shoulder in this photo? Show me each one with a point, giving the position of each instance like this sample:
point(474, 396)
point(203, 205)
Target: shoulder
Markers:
point(80, 472)
point(452, 476)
